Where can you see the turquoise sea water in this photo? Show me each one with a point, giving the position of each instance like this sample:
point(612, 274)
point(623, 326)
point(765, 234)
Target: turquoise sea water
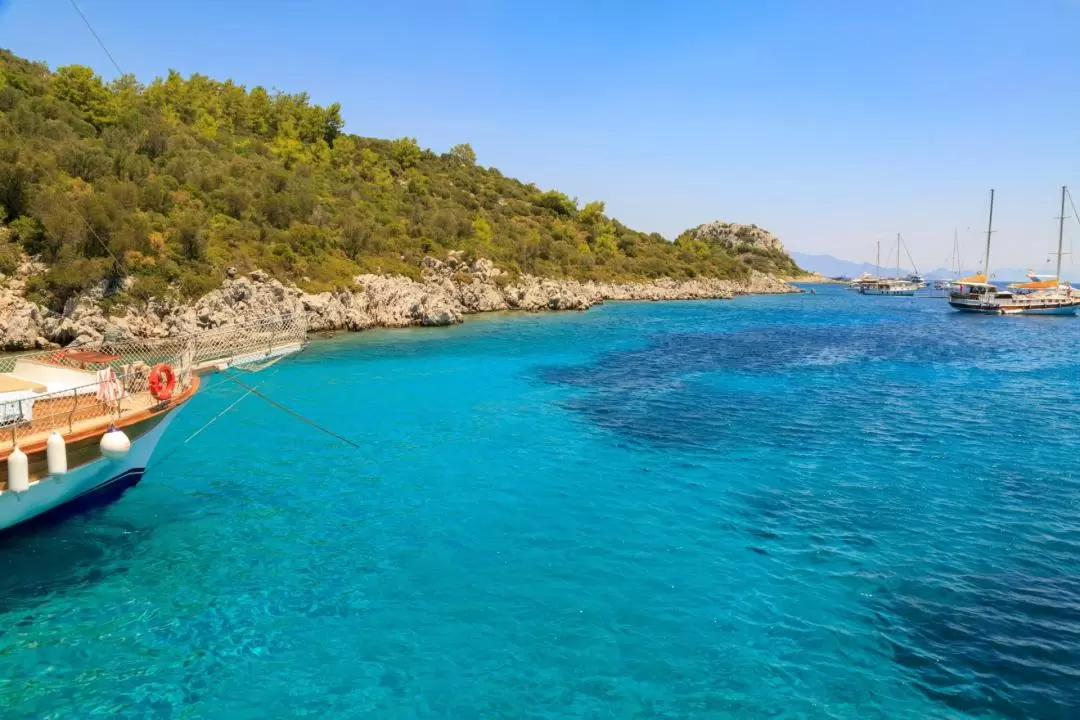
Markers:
point(828, 506)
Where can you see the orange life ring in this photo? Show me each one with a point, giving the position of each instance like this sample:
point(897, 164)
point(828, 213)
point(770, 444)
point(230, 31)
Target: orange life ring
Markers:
point(162, 381)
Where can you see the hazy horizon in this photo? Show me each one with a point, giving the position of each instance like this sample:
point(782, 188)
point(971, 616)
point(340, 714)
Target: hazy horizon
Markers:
point(831, 124)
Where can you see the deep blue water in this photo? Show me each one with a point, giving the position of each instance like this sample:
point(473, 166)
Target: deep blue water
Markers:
point(828, 506)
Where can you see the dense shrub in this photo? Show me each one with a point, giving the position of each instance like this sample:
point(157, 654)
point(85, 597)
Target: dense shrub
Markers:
point(174, 181)
point(149, 286)
point(9, 258)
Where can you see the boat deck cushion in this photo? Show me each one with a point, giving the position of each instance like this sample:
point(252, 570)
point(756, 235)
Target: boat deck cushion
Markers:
point(11, 383)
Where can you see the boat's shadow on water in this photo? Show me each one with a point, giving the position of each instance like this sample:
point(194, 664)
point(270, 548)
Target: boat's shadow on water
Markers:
point(63, 553)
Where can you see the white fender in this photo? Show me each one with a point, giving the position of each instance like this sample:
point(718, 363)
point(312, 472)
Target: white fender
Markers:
point(18, 471)
point(115, 444)
point(56, 454)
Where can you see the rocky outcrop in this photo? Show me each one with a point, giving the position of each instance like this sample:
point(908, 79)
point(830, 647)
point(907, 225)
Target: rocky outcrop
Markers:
point(399, 302)
point(446, 291)
point(734, 235)
point(21, 321)
point(20, 325)
point(336, 311)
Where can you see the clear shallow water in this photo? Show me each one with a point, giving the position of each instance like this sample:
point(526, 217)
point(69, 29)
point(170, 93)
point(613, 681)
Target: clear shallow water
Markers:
point(815, 506)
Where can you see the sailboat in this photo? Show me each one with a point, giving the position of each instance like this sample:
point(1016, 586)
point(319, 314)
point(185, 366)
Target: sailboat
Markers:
point(891, 286)
point(954, 266)
point(1037, 297)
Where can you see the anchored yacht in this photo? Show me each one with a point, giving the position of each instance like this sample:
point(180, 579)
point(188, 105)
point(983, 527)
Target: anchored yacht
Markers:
point(1037, 297)
point(890, 286)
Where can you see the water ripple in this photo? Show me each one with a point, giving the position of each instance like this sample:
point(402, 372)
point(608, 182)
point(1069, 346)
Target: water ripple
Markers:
point(829, 507)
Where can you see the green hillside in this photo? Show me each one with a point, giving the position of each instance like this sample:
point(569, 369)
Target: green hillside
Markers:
point(173, 182)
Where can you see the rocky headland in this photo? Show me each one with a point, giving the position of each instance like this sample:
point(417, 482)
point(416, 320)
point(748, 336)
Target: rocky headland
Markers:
point(447, 291)
point(134, 195)
point(735, 235)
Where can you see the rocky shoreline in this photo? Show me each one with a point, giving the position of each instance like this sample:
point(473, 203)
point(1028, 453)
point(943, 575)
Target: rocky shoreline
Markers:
point(447, 291)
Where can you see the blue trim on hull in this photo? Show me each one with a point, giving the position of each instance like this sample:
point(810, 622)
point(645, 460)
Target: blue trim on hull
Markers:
point(99, 496)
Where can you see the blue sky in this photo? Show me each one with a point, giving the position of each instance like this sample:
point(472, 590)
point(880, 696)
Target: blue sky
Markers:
point(832, 123)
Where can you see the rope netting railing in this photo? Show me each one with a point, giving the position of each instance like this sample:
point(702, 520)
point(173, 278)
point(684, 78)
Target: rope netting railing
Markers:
point(117, 374)
point(256, 339)
point(251, 341)
point(32, 414)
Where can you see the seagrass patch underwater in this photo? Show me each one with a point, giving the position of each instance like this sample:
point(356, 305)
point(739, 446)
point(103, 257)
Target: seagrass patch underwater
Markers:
point(804, 506)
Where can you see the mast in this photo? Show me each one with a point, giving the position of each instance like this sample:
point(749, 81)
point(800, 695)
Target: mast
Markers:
point(897, 256)
point(956, 251)
point(877, 265)
point(1061, 233)
point(989, 231)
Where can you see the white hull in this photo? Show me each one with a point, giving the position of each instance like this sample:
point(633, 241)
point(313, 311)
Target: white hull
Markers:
point(908, 292)
point(1069, 310)
point(889, 287)
point(1014, 306)
point(83, 483)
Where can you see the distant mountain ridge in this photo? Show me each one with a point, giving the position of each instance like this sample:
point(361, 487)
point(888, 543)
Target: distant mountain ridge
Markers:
point(830, 266)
